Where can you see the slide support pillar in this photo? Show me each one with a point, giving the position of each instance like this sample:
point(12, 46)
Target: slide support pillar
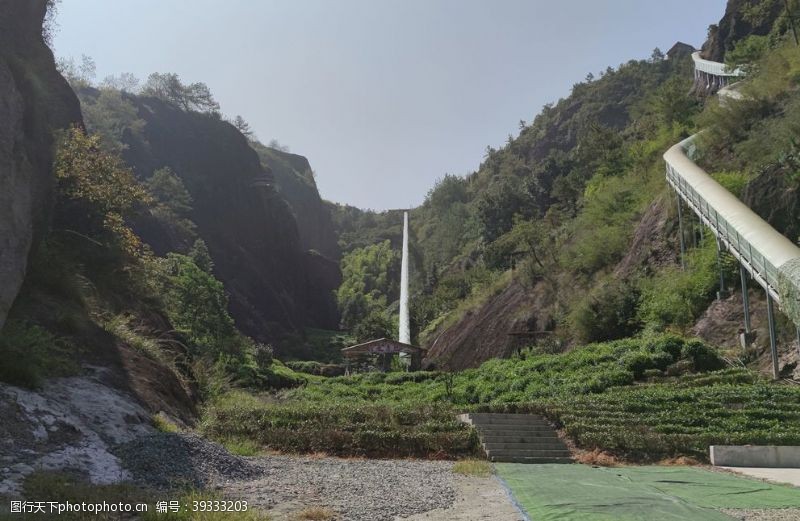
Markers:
point(773, 345)
point(680, 231)
point(745, 300)
point(721, 294)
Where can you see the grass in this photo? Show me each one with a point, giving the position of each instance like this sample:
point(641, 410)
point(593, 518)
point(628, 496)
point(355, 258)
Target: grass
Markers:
point(163, 424)
point(473, 467)
point(241, 446)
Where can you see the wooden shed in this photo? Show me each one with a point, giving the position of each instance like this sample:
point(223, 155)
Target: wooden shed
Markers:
point(384, 349)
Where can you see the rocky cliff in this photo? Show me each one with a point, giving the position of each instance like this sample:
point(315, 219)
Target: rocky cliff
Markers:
point(275, 286)
point(741, 19)
point(34, 102)
point(295, 181)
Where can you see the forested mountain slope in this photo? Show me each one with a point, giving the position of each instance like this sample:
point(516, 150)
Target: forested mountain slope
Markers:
point(276, 285)
point(568, 233)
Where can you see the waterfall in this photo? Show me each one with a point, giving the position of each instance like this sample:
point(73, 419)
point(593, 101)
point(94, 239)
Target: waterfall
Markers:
point(405, 328)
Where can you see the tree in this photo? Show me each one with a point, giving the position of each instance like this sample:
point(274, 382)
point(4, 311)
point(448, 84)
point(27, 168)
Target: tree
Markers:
point(369, 282)
point(375, 325)
point(200, 256)
point(275, 145)
point(168, 189)
point(125, 82)
point(111, 115)
point(196, 304)
point(243, 126)
point(447, 191)
point(50, 24)
point(673, 104)
point(192, 97)
point(78, 75)
point(498, 205)
point(589, 78)
point(96, 191)
point(173, 204)
point(656, 55)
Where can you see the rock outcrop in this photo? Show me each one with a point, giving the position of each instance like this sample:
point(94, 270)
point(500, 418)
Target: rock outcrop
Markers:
point(276, 287)
point(295, 181)
point(739, 21)
point(35, 101)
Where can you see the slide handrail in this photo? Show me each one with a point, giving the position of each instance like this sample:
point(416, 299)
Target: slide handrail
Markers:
point(771, 258)
point(756, 244)
point(714, 68)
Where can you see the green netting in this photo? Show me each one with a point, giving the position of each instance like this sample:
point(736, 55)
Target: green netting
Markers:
point(581, 492)
point(789, 289)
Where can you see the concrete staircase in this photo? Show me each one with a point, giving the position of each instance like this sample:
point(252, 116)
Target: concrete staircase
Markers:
point(518, 438)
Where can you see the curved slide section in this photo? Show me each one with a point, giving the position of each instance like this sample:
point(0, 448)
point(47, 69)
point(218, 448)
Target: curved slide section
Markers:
point(771, 258)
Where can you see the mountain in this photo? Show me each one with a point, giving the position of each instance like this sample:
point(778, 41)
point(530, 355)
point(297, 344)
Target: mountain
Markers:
point(567, 234)
point(35, 101)
point(295, 181)
point(742, 18)
point(276, 285)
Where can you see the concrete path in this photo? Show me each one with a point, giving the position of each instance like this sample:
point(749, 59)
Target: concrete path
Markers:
point(788, 476)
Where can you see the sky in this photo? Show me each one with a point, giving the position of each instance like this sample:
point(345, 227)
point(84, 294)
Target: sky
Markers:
point(382, 96)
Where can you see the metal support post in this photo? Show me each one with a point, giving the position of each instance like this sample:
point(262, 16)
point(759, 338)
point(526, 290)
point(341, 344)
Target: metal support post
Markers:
point(721, 294)
point(745, 300)
point(773, 345)
point(797, 329)
point(680, 231)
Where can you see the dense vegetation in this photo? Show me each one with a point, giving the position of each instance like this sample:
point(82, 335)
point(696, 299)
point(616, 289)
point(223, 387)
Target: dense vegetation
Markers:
point(93, 282)
point(574, 209)
point(559, 203)
point(642, 399)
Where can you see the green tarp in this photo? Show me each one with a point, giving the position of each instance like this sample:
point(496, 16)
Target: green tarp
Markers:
point(582, 492)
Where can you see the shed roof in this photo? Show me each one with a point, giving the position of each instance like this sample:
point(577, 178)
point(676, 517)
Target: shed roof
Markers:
point(381, 346)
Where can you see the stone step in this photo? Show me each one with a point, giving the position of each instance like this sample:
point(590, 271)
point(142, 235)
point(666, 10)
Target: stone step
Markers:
point(490, 430)
point(542, 445)
point(525, 453)
point(502, 459)
point(521, 438)
point(488, 418)
point(524, 437)
point(525, 420)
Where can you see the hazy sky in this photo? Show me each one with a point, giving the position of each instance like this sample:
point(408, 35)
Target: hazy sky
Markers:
point(382, 96)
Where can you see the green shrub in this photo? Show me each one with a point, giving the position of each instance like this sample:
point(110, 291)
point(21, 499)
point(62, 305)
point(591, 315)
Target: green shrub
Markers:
point(29, 353)
point(607, 312)
point(676, 297)
point(366, 429)
point(703, 358)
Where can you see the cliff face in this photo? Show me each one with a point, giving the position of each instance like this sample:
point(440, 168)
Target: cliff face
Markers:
point(741, 19)
point(249, 228)
point(34, 102)
point(295, 181)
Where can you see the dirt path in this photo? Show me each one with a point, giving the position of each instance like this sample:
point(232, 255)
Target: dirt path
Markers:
point(476, 499)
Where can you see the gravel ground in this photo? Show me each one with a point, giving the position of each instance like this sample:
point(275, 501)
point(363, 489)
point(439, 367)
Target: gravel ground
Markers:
point(358, 490)
point(477, 499)
point(772, 514)
point(164, 460)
